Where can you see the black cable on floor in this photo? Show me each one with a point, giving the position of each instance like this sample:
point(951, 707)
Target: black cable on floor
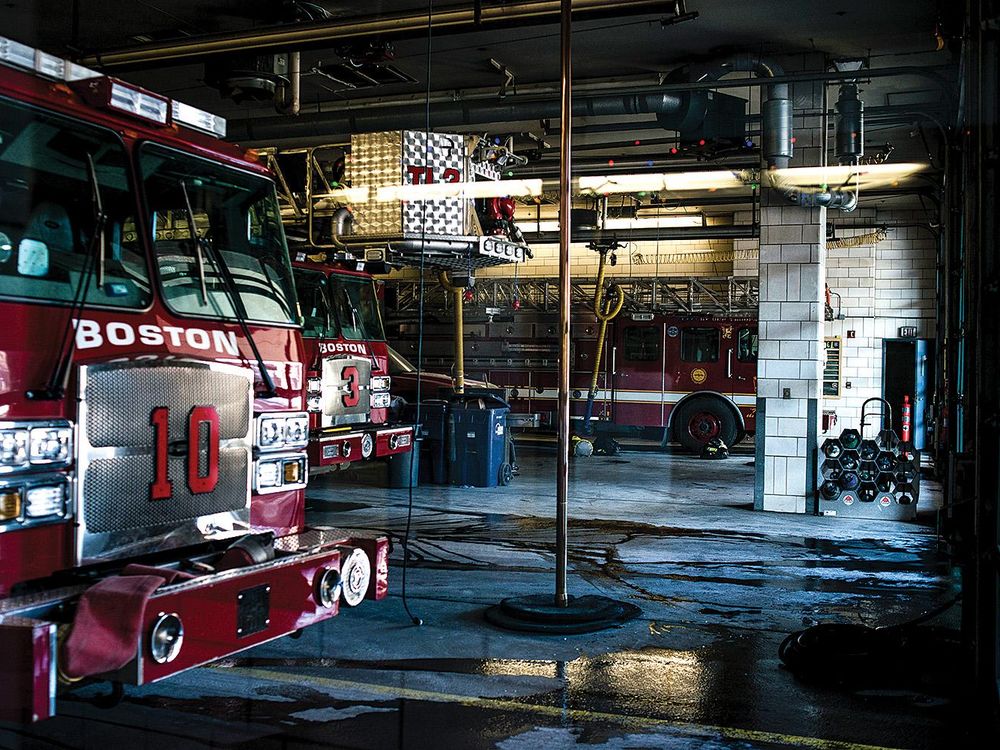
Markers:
point(844, 652)
point(420, 325)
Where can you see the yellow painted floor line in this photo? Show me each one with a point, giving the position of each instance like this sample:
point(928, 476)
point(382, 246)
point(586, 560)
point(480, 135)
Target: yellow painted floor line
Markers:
point(500, 704)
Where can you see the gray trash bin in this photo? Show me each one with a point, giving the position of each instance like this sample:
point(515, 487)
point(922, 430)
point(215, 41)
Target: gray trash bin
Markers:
point(404, 468)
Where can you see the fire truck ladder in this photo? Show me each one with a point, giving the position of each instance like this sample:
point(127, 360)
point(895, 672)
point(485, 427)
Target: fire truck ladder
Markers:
point(307, 191)
point(724, 295)
point(314, 209)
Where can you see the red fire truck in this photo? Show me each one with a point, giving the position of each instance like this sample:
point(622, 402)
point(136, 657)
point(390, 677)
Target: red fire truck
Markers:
point(153, 429)
point(679, 376)
point(347, 367)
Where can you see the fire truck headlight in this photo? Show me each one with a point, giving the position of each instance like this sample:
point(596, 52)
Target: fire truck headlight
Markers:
point(355, 574)
point(283, 431)
point(277, 473)
point(268, 474)
point(13, 447)
point(367, 445)
point(314, 385)
point(51, 445)
point(166, 638)
point(380, 400)
point(271, 433)
point(48, 500)
point(297, 431)
point(314, 402)
point(381, 383)
point(327, 587)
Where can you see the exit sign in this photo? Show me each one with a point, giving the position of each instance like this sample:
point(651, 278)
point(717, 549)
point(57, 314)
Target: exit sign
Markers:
point(907, 332)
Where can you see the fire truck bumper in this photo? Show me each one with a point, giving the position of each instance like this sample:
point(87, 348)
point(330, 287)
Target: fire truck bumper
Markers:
point(194, 622)
point(329, 450)
point(389, 442)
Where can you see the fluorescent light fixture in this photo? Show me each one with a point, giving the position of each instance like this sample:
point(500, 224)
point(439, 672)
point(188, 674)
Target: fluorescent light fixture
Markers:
point(642, 222)
point(656, 222)
point(346, 195)
point(439, 190)
point(868, 175)
point(651, 183)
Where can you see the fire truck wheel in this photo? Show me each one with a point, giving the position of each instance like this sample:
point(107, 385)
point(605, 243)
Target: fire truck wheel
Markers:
point(702, 418)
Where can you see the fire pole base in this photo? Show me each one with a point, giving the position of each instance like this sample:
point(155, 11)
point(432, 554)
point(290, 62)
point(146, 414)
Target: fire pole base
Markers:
point(538, 613)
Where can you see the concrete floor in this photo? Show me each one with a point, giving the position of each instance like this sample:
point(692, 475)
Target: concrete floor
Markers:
point(719, 586)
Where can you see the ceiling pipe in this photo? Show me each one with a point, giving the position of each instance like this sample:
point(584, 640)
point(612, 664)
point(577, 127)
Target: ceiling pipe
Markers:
point(320, 124)
point(711, 232)
point(301, 36)
point(374, 116)
point(289, 98)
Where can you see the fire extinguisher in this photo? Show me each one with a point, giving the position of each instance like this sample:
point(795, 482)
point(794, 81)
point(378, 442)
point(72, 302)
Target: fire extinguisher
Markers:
point(906, 419)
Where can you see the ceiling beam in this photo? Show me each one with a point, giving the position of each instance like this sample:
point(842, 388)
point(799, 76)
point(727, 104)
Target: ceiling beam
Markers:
point(471, 17)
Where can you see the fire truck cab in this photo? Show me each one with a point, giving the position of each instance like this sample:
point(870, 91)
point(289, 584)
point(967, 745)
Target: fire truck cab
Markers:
point(347, 367)
point(153, 423)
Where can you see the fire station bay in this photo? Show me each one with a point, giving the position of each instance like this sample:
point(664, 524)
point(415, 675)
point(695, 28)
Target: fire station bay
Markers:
point(472, 374)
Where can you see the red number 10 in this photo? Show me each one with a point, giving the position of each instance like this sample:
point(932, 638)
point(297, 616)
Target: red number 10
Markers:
point(162, 487)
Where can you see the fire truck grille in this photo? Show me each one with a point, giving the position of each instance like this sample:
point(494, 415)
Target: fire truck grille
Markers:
point(137, 416)
point(346, 386)
point(120, 402)
point(117, 497)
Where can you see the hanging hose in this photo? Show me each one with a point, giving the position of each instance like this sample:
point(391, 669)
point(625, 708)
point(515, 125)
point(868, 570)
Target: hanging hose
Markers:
point(606, 309)
point(459, 331)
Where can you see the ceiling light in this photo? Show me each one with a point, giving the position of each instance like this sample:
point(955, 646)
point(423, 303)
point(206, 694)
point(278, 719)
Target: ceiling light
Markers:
point(440, 190)
point(672, 181)
point(863, 175)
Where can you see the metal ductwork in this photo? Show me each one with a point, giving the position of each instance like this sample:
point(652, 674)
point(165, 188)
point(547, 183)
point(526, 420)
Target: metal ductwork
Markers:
point(675, 110)
point(776, 107)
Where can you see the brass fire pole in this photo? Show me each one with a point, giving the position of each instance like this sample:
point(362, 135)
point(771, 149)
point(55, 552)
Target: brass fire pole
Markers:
point(562, 613)
point(459, 294)
point(565, 229)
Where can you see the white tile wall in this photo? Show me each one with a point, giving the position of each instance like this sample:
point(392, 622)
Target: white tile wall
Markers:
point(884, 286)
point(790, 266)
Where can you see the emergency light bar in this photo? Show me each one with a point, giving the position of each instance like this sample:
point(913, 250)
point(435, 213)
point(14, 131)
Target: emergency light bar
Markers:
point(28, 58)
point(198, 119)
point(111, 92)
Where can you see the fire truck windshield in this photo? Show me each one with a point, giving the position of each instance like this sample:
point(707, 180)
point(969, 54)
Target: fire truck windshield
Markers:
point(48, 216)
point(339, 306)
point(237, 214)
point(356, 308)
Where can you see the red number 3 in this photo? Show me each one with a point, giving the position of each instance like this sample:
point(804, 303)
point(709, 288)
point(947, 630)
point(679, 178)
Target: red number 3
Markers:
point(351, 375)
point(198, 483)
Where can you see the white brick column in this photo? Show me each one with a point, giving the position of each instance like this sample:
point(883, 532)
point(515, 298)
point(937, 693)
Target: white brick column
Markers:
point(790, 364)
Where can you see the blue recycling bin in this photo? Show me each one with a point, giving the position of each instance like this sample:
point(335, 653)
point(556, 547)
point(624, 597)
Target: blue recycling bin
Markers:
point(432, 432)
point(477, 442)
